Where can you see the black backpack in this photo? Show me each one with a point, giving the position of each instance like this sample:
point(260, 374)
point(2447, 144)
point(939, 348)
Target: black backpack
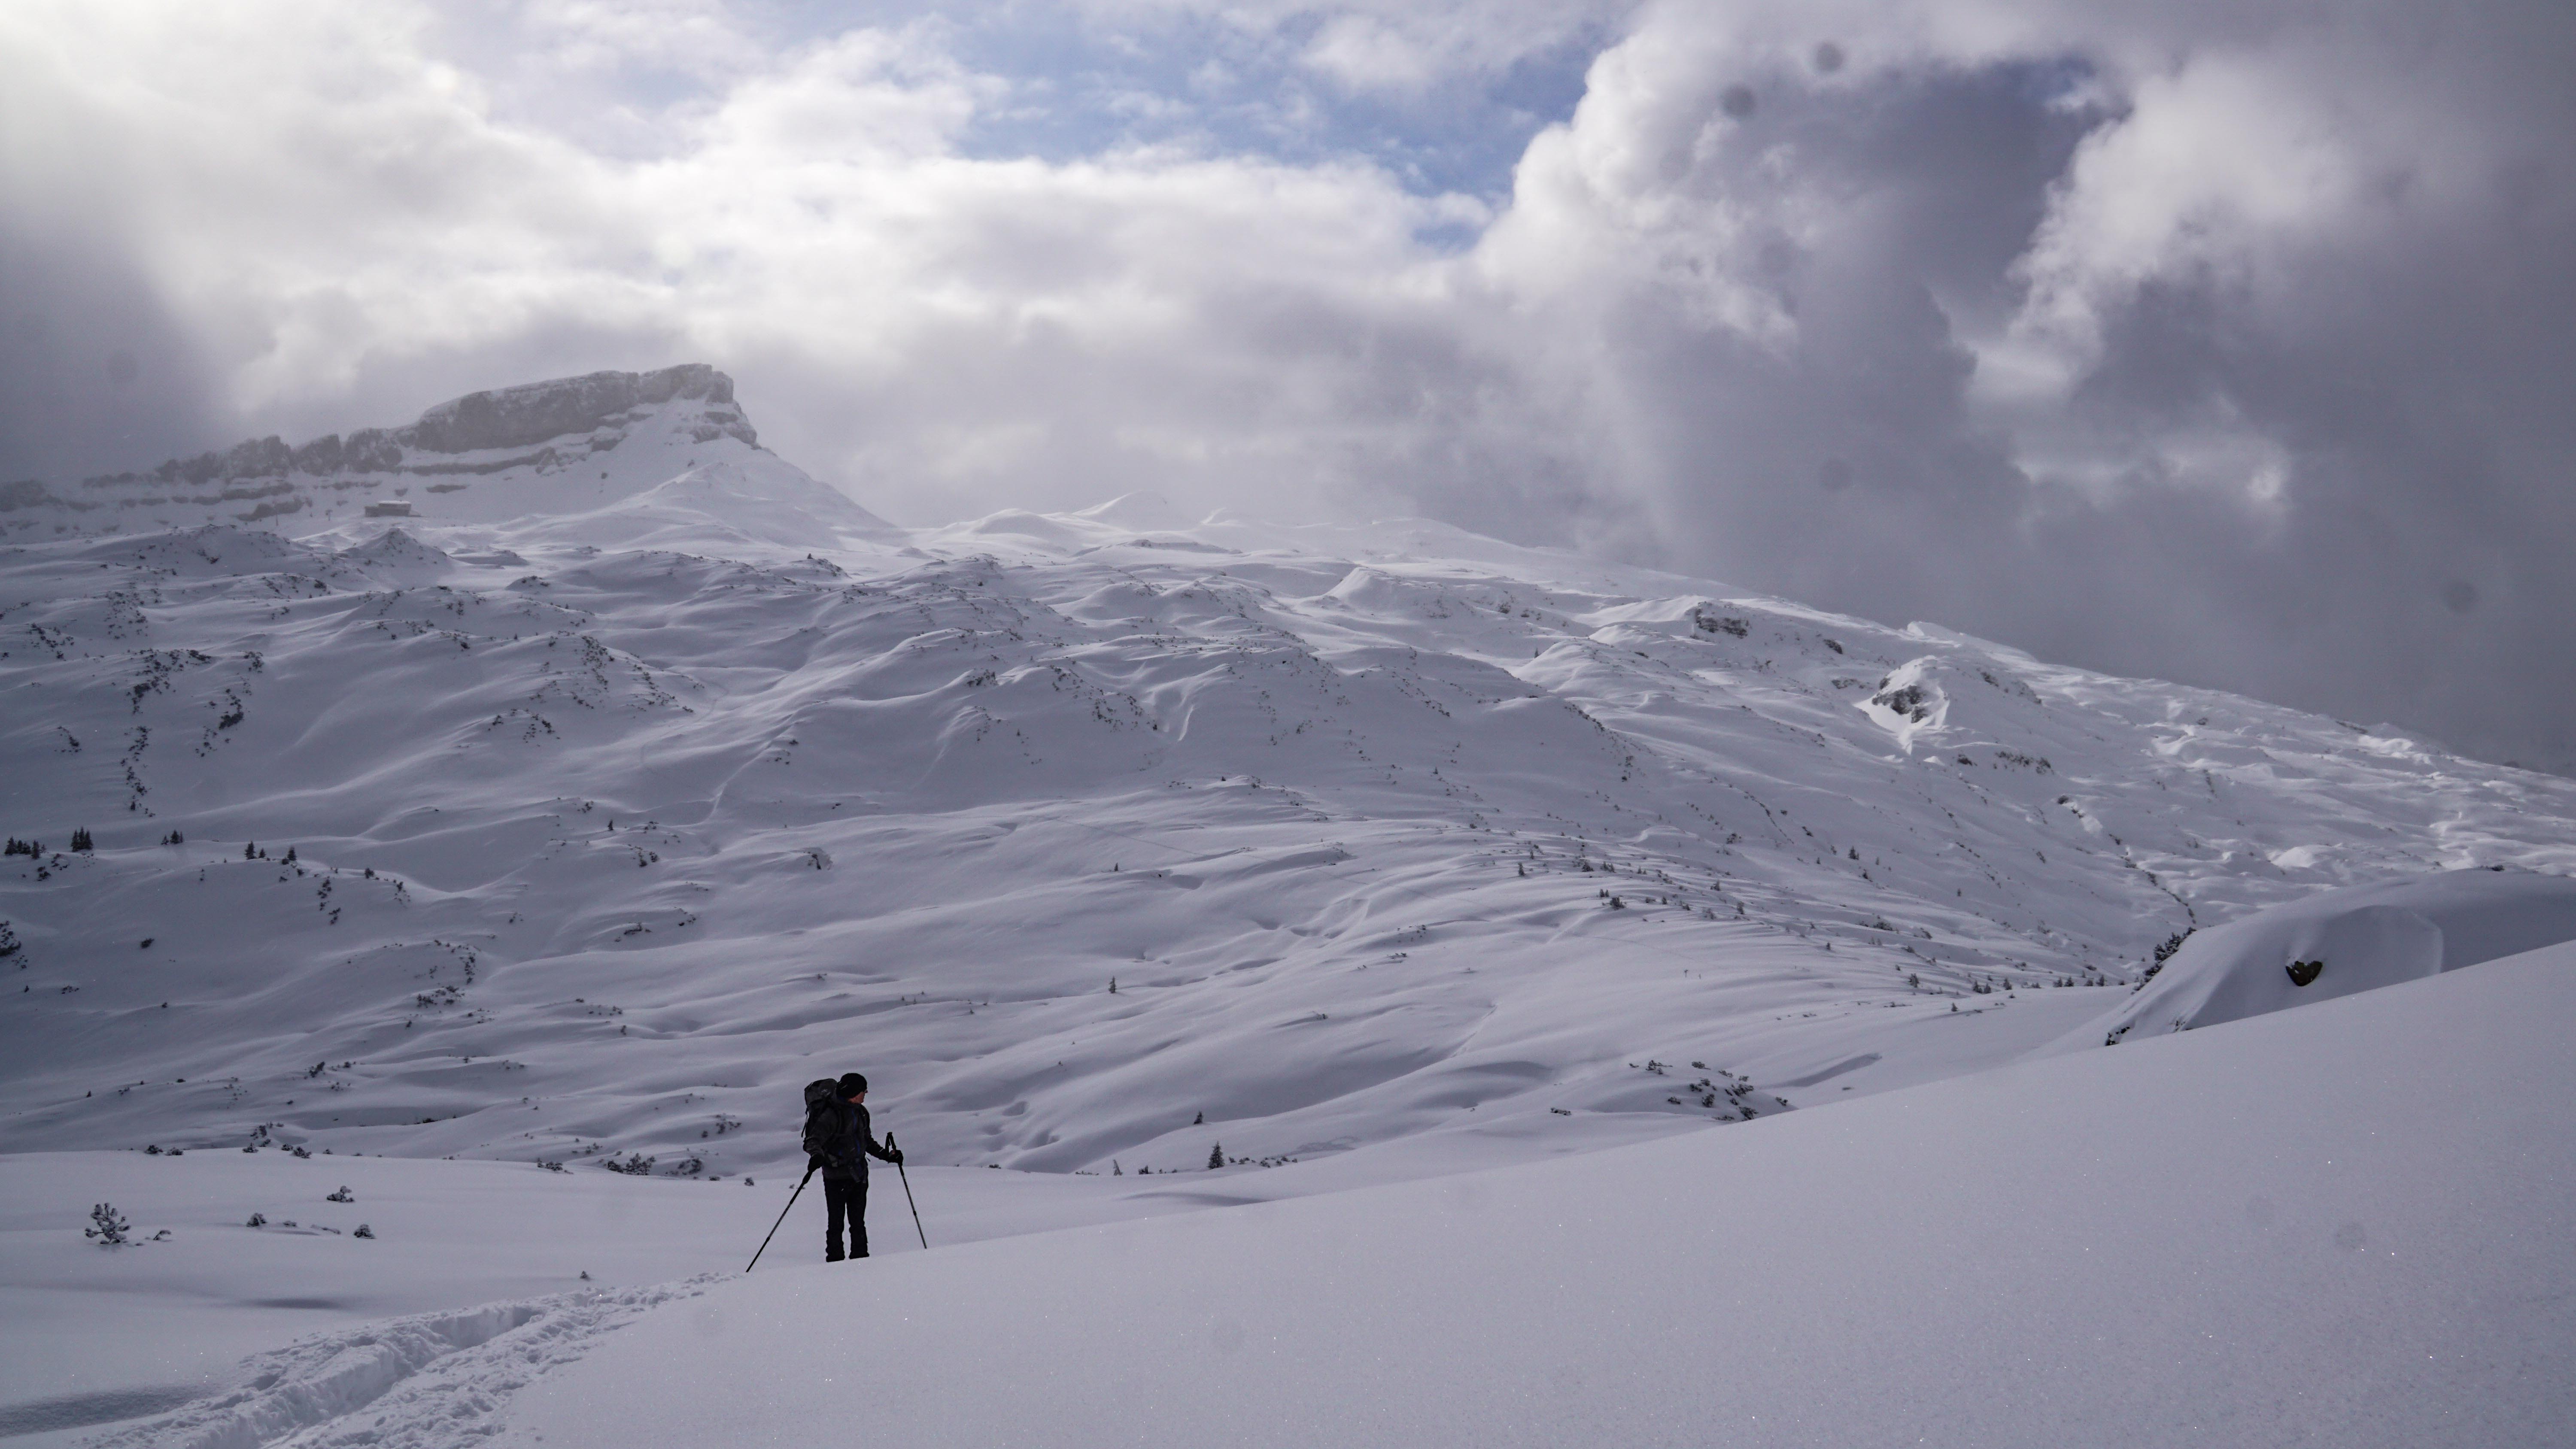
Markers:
point(824, 1130)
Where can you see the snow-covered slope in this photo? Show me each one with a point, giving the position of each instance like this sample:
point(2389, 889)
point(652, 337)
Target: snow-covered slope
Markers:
point(2338, 942)
point(618, 808)
point(635, 778)
point(2343, 1225)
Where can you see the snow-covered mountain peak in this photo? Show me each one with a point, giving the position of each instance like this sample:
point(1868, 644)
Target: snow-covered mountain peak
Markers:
point(673, 444)
point(564, 778)
point(628, 767)
point(692, 397)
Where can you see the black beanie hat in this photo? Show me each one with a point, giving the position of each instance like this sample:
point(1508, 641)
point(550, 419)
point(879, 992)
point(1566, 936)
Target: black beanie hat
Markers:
point(852, 1084)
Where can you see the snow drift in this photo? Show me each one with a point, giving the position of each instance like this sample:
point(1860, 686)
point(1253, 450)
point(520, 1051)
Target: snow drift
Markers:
point(2337, 942)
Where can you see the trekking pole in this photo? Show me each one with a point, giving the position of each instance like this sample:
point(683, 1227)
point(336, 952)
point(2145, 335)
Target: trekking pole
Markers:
point(907, 1197)
point(782, 1217)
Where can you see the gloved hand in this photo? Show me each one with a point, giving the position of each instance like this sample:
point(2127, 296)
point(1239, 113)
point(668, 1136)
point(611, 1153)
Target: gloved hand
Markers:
point(897, 1154)
point(815, 1163)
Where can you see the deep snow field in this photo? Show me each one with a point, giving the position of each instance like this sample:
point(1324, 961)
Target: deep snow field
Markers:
point(636, 778)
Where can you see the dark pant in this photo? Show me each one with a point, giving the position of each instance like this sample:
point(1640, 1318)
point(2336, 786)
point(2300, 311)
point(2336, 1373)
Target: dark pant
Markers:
point(845, 1196)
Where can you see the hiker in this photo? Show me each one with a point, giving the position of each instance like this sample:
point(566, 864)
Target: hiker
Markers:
point(839, 1144)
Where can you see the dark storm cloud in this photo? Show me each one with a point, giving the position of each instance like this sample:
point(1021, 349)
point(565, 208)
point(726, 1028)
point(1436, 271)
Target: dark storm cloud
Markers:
point(2416, 569)
point(2243, 363)
point(95, 375)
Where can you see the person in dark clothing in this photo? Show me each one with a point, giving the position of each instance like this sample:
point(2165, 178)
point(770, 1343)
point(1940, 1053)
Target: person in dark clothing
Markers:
point(840, 1145)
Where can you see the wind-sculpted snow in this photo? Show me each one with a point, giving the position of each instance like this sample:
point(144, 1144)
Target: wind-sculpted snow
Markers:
point(2338, 942)
point(2341, 1226)
point(615, 821)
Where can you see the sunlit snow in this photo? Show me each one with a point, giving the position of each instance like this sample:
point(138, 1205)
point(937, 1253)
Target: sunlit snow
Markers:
point(615, 778)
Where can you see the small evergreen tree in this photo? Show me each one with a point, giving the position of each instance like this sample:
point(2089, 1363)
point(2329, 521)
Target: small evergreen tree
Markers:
point(250, 850)
point(1216, 1155)
point(81, 840)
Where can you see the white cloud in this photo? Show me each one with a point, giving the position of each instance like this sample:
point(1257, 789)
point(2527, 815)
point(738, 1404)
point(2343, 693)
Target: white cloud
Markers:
point(344, 212)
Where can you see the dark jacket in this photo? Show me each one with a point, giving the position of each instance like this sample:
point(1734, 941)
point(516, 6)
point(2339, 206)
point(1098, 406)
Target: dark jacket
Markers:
point(848, 1144)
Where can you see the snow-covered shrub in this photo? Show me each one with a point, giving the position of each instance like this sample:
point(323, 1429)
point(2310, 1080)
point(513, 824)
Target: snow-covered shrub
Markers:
point(363, 1232)
point(257, 1220)
point(108, 1226)
point(343, 1195)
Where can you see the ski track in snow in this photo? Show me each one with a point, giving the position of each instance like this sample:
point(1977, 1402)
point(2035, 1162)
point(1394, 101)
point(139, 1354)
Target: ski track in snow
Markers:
point(639, 778)
point(428, 1381)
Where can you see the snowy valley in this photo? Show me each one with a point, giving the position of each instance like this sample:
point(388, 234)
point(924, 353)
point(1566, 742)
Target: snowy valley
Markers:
point(614, 778)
